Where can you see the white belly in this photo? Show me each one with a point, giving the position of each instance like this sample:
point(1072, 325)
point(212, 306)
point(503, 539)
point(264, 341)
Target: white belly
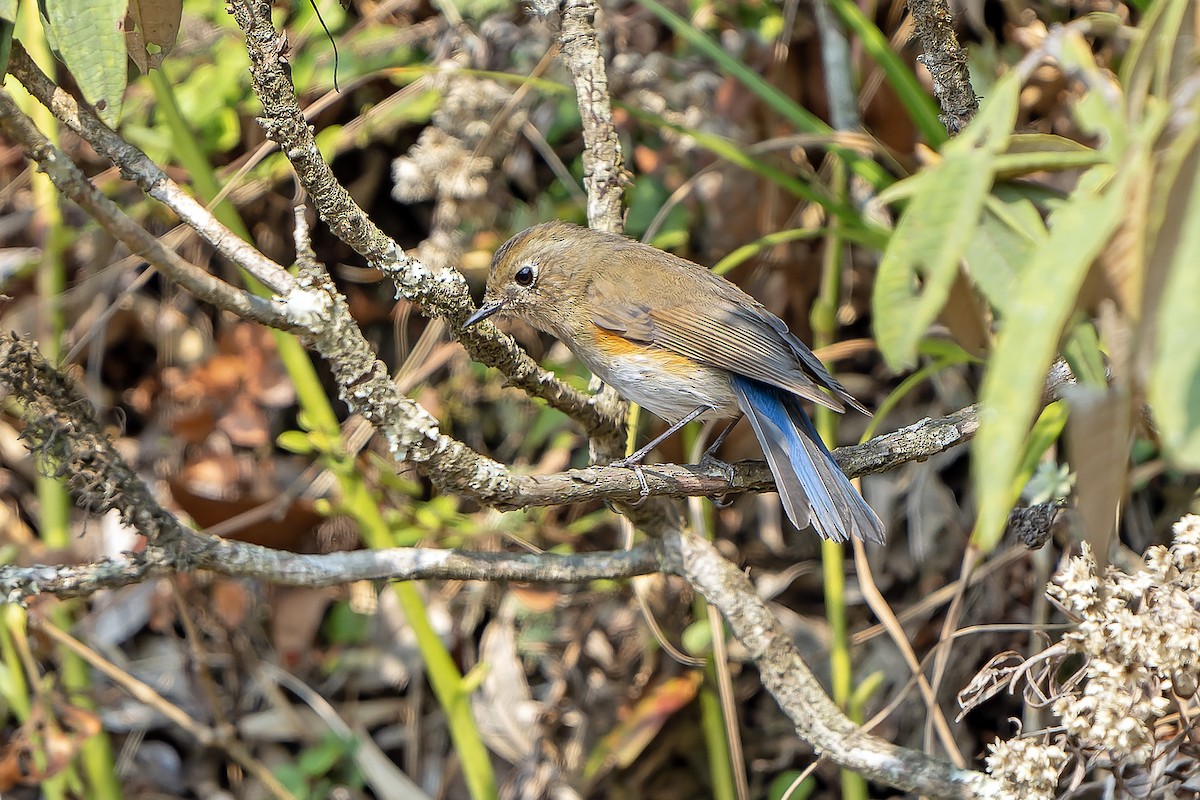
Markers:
point(670, 396)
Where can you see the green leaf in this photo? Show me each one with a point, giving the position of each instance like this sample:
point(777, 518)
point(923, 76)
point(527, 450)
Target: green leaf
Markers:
point(1084, 356)
point(8, 10)
point(779, 102)
point(1098, 112)
point(922, 258)
point(90, 40)
point(1042, 302)
point(903, 189)
point(1046, 430)
point(752, 249)
point(298, 442)
point(783, 785)
point(1160, 54)
point(735, 153)
point(6, 35)
point(1001, 244)
point(1174, 389)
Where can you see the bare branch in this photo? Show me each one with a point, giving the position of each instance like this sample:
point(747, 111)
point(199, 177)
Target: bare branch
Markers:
point(228, 557)
point(69, 180)
point(443, 293)
point(136, 165)
point(62, 430)
point(603, 170)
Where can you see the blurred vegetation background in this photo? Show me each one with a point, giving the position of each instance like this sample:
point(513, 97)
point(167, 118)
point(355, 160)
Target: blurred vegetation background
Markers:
point(931, 272)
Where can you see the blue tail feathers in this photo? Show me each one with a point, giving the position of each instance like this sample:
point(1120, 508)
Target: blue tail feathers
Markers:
point(813, 488)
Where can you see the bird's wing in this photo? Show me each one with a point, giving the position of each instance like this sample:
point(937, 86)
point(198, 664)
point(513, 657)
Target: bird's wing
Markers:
point(719, 331)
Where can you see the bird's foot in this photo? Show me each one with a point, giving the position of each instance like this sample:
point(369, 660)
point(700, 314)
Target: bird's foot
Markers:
point(645, 487)
point(709, 461)
point(629, 462)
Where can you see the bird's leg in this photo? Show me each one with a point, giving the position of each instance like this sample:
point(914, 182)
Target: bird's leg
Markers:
point(644, 491)
point(636, 458)
point(710, 454)
point(709, 459)
point(634, 461)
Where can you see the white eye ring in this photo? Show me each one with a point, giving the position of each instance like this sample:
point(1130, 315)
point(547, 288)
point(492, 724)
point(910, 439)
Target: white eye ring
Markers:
point(525, 276)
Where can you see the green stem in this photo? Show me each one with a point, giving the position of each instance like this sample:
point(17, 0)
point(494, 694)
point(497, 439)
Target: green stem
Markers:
point(444, 675)
point(15, 689)
point(712, 721)
point(824, 323)
point(54, 499)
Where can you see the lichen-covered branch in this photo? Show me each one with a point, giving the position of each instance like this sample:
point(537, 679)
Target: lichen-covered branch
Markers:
point(603, 165)
point(61, 429)
point(153, 180)
point(946, 62)
point(228, 557)
point(73, 184)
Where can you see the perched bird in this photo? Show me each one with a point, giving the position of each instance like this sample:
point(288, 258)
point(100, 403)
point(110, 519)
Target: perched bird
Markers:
point(685, 344)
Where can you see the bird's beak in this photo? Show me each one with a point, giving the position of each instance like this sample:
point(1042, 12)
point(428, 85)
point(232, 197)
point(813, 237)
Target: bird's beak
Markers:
point(486, 310)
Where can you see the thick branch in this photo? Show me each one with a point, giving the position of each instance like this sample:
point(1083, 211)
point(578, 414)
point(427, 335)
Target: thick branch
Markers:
point(793, 685)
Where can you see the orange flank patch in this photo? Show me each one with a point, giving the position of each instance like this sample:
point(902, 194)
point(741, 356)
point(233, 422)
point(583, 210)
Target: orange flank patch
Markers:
point(614, 345)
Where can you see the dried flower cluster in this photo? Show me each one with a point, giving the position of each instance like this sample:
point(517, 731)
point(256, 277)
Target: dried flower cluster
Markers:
point(1029, 766)
point(488, 139)
point(1139, 634)
point(452, 162)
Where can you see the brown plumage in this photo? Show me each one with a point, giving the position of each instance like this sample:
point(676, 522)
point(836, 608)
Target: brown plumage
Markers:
point(673, 337)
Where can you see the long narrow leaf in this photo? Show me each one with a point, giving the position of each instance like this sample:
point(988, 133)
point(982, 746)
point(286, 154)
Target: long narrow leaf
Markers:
point(1036, 316)
point(1001, 244)
point(923, 255)
point(804, 120)
point(1175, 375)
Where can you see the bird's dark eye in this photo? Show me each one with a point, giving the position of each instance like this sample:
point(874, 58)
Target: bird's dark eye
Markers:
point(524, 276)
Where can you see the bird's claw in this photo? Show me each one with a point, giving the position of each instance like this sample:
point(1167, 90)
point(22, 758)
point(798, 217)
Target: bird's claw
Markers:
point(721, 500)
point(645, 487)
point(633, 464)
point(709, 461)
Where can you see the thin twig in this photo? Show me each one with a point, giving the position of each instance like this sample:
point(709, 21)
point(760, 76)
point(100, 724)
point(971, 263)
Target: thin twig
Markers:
point(145, 694)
